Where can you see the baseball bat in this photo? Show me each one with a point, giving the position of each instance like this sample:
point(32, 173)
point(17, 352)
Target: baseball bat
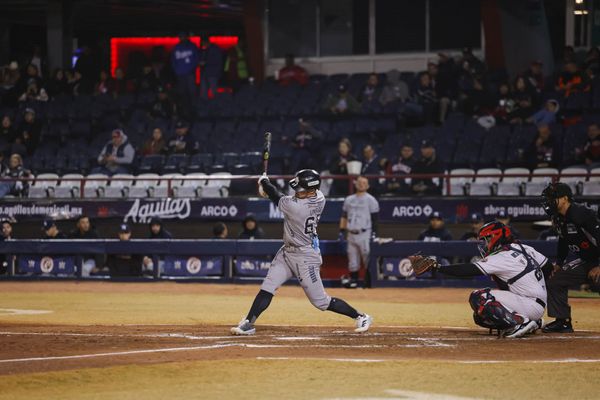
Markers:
point(266, 151)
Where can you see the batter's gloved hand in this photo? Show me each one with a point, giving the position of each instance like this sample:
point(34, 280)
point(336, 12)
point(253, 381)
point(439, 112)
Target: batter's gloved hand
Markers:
point(422, 264)
point(261, 179)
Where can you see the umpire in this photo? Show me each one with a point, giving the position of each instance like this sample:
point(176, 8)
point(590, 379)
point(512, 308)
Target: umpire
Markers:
point(579, 234)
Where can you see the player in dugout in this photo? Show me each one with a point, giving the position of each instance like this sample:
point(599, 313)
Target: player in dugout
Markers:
point(578, 230)
point(517, 306)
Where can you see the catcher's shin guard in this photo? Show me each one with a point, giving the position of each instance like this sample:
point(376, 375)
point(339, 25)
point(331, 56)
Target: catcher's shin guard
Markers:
point(491, 314)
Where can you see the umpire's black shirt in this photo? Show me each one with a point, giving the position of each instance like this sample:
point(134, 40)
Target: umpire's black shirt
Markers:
point(579, 232)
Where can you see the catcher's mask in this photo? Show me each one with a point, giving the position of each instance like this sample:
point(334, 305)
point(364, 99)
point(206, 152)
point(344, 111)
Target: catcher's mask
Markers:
point(492, 236)
point(552, 193)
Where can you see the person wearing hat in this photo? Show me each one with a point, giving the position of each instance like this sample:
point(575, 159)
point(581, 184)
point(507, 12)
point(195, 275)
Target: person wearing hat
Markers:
point(250, 229)
point(116, 156)
point(546, 115)
point(342, 102)
point(579, 240)
point(436, 231)
point(157, 231)
point(163, 107)
point(428, 164)
point(477, 222)
point(403, 166)
point(7, 231)
point(502, 216)
point(50, 230)
point(182, 142)
point(292, 73)
point(124, 264)
point(185, 58)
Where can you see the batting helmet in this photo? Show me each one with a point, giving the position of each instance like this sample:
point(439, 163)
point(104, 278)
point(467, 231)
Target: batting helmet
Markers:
point(306, 179)
point(492, 237)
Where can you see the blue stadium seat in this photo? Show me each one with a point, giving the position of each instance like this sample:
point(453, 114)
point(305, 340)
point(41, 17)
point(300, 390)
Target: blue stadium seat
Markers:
point(152, 163)
point(176, 163)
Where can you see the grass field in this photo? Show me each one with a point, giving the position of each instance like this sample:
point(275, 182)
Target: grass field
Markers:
point(100, 340)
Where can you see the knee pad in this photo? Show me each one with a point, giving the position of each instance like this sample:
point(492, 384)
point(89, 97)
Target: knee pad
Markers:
point(490, 313)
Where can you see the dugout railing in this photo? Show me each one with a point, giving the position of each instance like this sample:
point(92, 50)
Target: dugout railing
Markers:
point(383, 256)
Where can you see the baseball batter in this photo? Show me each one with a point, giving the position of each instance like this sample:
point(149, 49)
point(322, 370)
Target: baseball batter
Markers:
point(518, 306)
point(300, 255)
point(358, 225)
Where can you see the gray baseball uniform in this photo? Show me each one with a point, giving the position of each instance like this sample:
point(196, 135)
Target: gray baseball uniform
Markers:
point(358, 209)
point(300, 255)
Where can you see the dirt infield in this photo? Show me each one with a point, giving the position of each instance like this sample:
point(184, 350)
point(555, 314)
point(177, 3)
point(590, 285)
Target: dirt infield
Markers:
point(69, 328)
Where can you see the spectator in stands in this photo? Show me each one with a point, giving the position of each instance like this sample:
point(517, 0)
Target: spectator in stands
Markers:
point(33, 92)
point(7, 130)
point(58, 85)
point(17, 187)
point(156, 144)
point(182, 142)
point(524, 97)
point(446, 80)
point(121, 85)
point(339, 166)
point(372, 164)
point(505, 105)
point(370, 90)
point(424, 100)
point(51, 231)
point(236, 66)
point(436, 231)
point(87, 68)
point(124, 264)
point(476, 99)
point(535, 76)
point(37, 59)
point(148, 81)
point(592, 60)
point(250, 229)
point(477, 222)
point(220, 231)
point(292, 73)
point(542, 151)
point(105, 84)
point(571, 80)
point(28, 134)
point(163, 107)
point(184, 60)
point(211, 61)
point(502, 216)
point(84, 230)
point(395, 91)
point(590, 154)
point(428, 164)
point(116, 156)
point(402, 166)
point(7, 231)
point(442, 88)
point(475, 64)
point(306, 146)
point(31, 76)
point(547, 115)
point(342, 102)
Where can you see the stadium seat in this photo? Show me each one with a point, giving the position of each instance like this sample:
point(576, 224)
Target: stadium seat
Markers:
point(485, 186)
point(217, 187)
point(119, 186)
point(143, 186)
point(43, 186)
point(538, 182)
point(576, 180)
point(175, 163)
point(69, 186)
point(190, 187)
point(458, 186)
point(513, 185)
point(95, 185)
point(592, 186)
point(151, 163)
point(199, 162)
point(162, 188)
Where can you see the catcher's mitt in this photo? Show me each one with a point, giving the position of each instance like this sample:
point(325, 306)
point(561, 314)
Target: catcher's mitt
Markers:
point(422, 264)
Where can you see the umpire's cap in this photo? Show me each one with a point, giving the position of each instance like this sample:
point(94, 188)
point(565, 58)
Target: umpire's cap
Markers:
point(306, 179)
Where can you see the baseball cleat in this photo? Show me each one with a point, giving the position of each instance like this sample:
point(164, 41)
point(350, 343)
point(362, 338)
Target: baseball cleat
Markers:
point(528, 326)
point(559, 326)
point(244, 328)
point(363, 323)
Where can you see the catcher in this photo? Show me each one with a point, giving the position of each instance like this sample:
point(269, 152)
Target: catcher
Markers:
point(517, 307)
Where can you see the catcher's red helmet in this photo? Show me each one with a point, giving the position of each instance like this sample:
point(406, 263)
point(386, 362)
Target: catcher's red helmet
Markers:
point(492, 236)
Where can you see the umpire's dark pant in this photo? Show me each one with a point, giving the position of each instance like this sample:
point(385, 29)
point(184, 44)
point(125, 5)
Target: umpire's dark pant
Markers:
point(572, 273)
